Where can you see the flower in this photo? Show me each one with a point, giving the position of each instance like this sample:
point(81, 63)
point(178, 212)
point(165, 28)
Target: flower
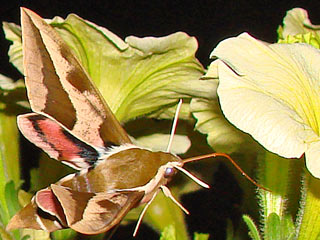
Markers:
point(271, 91)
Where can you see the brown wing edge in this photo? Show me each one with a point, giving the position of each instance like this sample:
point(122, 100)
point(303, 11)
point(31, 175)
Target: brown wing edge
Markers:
point(110, 130)
point(86, 213)
point(89, 213)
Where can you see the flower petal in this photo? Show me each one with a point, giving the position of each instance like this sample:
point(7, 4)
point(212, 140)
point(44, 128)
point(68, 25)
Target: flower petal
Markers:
point(222, 136)
point(137, 76)
point(271, 92)
point(296, 22)
point(313, 159)
point(159, 142)
point(297, 28)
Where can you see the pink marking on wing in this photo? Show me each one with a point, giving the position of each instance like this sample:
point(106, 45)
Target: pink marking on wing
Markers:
point(54, 134)
point(27, 129)
point(47, 201)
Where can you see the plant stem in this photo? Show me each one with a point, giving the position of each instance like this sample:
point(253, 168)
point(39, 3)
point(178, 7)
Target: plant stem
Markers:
point(309, 215)
point(278, 175)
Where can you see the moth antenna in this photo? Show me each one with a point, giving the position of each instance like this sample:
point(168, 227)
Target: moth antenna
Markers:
point(143, 213)
point(168, 194)
point(231, 160)
point(197, 180)
point(174, 125)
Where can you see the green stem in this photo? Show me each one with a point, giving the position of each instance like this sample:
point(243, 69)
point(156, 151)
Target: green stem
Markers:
point(309, 215)
point(278, 175)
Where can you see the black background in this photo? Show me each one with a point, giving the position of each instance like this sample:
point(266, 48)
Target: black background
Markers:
point(210, 22)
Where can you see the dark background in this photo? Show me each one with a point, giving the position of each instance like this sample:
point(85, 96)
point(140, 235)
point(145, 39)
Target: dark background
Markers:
point(210, 22)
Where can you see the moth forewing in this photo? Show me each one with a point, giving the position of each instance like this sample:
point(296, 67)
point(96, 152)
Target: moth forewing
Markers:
point(54, 77)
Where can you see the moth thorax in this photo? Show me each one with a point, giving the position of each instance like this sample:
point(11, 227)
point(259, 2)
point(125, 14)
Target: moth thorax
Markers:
point(168, 157)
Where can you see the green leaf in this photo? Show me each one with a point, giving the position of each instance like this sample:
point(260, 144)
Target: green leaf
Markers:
point(276, 228)
point(11, 195)
point(288, 230)
point(253, 230)
point(64, 234)
point(168, 233)
point(272, 230)
point(272, 93)
point(8, 209)
point(26, 237)
point(200, 236)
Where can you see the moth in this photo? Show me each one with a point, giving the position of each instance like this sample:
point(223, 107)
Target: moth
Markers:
point(73, 124)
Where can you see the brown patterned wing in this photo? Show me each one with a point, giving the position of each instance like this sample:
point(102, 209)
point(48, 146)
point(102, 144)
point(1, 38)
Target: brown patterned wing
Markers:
point(32, 216)
point(59, 207)
point(93, 213)
point(58, 86)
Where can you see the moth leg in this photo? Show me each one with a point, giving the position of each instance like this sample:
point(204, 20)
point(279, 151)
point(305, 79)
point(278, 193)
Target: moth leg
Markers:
point(143, 213)
point(168, 194)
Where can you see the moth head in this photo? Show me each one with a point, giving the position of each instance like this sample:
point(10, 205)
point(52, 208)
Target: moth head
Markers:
point(168, 168)
point(171, 165)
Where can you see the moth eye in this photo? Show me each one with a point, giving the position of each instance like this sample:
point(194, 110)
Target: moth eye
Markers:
point(169, 172)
